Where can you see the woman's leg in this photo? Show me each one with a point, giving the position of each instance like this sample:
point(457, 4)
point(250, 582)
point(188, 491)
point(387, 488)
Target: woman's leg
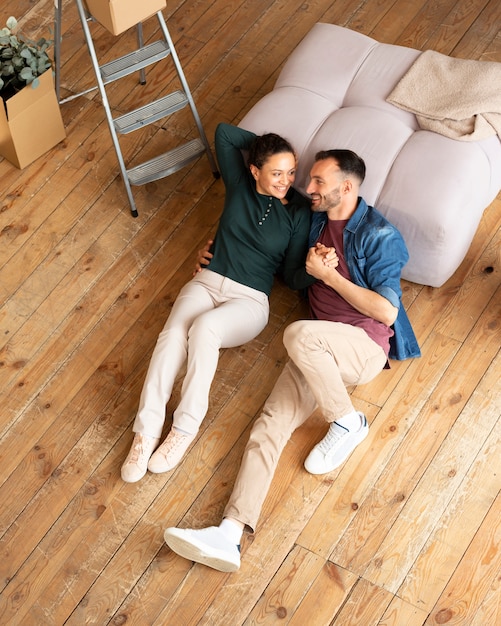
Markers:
point(240, 314)
point(169, 355)
point(238, 319)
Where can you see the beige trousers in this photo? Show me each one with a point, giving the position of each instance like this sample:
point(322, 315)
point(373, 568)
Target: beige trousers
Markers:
point(211, 312)
point(325, 357)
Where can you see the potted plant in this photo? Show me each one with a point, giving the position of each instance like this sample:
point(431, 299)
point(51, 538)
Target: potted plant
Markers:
point(22, 60)
point(30, 119)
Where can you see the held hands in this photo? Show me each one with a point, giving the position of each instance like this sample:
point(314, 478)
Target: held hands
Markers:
point(321, 261)
point(203, 257)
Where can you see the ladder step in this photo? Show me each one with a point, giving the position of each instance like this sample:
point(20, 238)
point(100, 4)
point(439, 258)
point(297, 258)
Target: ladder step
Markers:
point(134, 61)
point(166, 163)
point(151, 112)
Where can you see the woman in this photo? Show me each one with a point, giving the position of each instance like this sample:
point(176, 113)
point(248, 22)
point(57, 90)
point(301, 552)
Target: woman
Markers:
point(264, 227)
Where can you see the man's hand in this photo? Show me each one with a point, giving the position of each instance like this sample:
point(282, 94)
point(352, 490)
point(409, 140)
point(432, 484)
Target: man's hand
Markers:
point(328, 255)
point(203, 257)
point(320, 261)
point(366, 301)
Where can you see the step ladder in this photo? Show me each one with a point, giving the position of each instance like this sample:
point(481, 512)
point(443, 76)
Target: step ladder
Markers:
point(136, 61)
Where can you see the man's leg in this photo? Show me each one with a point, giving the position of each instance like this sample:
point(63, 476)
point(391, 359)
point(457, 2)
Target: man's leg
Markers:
point(288, 406)
point(331, 356)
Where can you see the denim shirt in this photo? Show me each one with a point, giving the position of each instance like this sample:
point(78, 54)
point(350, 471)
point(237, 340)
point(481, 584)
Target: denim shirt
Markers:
point(375, 253)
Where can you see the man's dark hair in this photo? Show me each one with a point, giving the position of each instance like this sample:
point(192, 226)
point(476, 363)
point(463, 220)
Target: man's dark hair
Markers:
point(349, 162)
point(265, 146)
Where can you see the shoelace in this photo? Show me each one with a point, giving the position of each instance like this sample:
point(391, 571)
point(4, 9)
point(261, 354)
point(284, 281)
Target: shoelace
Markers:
point(136, 453)
point(332, 437)
point(172, 443)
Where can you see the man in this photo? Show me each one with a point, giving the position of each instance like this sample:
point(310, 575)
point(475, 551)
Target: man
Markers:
point(357, 322)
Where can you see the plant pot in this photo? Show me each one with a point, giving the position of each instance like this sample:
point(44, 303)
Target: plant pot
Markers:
point(30, 122)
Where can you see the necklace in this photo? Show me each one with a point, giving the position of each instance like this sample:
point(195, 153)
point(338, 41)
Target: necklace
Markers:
point(260, 223)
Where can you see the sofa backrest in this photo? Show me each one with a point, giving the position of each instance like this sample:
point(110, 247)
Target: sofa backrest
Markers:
point(331, 93)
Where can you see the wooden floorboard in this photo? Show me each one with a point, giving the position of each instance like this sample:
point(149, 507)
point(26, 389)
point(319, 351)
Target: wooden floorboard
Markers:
point(406, 533)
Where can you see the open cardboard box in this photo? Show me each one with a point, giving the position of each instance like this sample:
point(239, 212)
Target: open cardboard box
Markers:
point(32, 123)
point(119, 15)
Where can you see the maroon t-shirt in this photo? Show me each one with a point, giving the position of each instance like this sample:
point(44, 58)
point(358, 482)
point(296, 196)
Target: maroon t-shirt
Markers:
point(327, 304)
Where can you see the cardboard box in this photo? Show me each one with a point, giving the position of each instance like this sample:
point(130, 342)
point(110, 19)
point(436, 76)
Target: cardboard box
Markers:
point(32, 123)
point(119, 15)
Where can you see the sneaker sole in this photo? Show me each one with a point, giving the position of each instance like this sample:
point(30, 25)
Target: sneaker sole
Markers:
point(131, 479)
point(194, 551)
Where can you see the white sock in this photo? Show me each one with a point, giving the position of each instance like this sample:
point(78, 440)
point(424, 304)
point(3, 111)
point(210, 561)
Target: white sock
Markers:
point(231, 531)
point(351, 421)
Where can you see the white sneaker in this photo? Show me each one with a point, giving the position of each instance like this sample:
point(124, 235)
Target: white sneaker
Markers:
point(335, 447)
point(170, 452)
point(208, 546)
point(136, 463)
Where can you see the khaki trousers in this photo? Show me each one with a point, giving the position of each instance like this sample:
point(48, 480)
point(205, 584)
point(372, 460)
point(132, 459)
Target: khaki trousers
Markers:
point(325, 357)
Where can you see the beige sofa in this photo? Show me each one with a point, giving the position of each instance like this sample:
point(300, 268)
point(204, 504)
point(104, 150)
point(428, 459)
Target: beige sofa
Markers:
point(331, 93)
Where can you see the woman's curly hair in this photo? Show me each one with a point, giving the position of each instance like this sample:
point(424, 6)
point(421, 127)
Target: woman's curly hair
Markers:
point(265, 146)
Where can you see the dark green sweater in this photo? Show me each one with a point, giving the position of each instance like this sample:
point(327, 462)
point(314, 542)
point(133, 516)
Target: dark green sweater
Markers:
point(245, 250)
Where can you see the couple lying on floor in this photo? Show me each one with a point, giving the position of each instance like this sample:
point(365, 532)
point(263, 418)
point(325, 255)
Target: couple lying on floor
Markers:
point(349, 259)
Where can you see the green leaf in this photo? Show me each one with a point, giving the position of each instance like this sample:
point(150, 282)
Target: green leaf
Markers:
point(11, 23)
point(22, 59)
point(26, 53)
point(8, 69)
point(26, 74)
point(7, 53)
point(18, 63)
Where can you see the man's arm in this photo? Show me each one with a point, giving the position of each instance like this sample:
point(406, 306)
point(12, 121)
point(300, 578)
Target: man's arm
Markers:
point(366, 301)
point(203, 257)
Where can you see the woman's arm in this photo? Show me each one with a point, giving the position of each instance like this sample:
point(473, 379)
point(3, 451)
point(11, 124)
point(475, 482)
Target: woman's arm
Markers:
point(230, 141)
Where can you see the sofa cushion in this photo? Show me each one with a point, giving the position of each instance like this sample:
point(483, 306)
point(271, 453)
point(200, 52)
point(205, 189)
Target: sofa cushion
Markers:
point(331, 93)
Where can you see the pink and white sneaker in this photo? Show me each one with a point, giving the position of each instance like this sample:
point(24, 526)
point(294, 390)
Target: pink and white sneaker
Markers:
point(170, 453)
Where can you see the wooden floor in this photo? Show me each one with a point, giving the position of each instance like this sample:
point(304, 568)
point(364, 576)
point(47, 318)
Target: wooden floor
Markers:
point(406, 533)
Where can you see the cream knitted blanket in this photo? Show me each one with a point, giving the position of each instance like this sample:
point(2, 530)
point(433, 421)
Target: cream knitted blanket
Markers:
point(458, 98)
